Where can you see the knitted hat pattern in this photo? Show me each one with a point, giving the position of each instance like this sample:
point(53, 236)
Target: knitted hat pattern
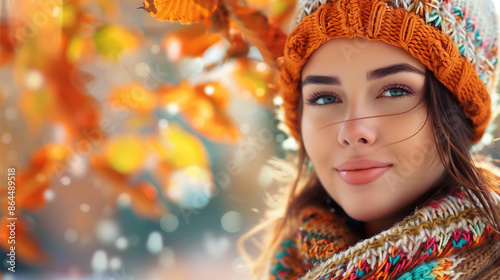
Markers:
point(455, 39)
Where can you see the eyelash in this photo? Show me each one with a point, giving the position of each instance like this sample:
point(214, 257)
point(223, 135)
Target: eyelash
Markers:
point(405, 88)
point(317, 95)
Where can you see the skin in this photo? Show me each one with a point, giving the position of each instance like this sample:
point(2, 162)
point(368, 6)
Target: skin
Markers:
point(340, 99)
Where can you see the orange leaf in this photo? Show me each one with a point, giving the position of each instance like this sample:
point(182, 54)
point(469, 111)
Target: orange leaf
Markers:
point(135, 97)
point(280, 12)
point(37, 107)
point(257, 79)
point(75, 108)
point(144, 200)
point(238, 48)
point(192, 41)
point(184, 11)
point(268, 39)
point(219, 21)
point(258, 4)
point(26, 247)
point(31, 197)
point(203, 106)
point(7, 43)
point(35, 178)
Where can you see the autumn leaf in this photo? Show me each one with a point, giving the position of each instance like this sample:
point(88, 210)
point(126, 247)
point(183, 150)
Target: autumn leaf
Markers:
point(80, 49)
point(178, 147)
point(8, 42)
point(59, 92)
point(203, 107)
point(32, 196)
point(238, 47)
point(183, 11)
point(126, 154)
point(257, 79)
point(258, 4)
point(37, 107)
point(191, 41)
point(27, 248)
point(178, 150)
point(135, 97)
point(113, 39)
point(75, 108)
point(280, 12)
point(268, 39)
point(35, 177)
point(219, 20)
point(144, 199)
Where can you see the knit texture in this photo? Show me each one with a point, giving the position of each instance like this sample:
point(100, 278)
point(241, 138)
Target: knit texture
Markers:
point(455, 39)
point(444, 240)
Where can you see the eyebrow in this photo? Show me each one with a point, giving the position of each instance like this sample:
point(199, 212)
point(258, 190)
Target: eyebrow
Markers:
point(391, 70)
point(373, 74)
point(322, 80)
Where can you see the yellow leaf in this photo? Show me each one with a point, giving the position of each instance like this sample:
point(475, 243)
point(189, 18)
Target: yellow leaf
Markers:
point(80, 49)
point(112, 40)
point(180, 148)
point(126, 153)
point(184, 11)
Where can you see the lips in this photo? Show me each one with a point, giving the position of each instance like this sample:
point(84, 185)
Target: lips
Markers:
point(361, 171)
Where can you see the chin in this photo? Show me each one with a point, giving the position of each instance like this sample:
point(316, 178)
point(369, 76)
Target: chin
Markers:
point(369, 213)
point(364, 215)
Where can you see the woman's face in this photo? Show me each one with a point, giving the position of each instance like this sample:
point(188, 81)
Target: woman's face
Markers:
point(365, 127)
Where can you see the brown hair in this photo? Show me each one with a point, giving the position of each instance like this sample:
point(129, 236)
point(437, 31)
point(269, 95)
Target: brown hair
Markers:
point(452, 133)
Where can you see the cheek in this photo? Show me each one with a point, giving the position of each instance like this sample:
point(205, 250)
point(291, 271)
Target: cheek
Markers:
point(405, 127)
point(320, 143)
point(419, 158)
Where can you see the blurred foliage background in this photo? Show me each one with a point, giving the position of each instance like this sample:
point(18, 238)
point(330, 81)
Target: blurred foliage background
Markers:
point(140, 146)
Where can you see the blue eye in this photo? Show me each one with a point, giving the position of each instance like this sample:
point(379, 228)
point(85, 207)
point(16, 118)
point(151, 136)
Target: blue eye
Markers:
point(323, 99)
point(396, 91)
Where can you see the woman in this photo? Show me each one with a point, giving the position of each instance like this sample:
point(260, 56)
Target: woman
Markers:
point(385, 99)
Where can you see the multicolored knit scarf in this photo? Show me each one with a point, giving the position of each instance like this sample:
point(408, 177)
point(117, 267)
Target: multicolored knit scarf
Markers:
point(444, 240)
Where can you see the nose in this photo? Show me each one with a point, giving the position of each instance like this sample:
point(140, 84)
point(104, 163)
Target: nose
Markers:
point(357, 133)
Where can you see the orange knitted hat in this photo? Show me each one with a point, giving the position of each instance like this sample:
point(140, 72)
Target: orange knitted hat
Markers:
point(455, 39)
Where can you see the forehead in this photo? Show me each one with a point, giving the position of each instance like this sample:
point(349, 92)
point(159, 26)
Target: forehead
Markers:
point(337, 56)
